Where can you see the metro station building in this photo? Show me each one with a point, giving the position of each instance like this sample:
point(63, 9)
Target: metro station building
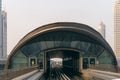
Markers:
point(79, 46)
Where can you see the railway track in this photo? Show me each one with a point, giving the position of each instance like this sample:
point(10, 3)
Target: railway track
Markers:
point(54, 74)
point(57, 74)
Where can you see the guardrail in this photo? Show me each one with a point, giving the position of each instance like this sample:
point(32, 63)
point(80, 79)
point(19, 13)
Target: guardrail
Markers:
point(9, 74)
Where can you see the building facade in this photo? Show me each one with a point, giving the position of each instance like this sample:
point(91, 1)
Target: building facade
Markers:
point(117, 28)
point(4, 34)
point(78, 45)
point(0, 31)
point(101, 29)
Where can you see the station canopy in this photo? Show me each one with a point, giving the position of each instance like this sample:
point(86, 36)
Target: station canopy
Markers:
point(64, 35)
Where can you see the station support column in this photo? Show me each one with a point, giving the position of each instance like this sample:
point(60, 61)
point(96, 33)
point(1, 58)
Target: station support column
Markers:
point(80, 61)
point(44, 62)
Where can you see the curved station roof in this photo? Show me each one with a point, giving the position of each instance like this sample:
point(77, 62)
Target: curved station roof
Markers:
point(64, 35)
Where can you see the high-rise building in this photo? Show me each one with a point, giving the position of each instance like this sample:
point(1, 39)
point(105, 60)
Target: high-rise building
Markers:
point(117, 28)
point(101, 29)
point(3, 33)
point(3, 37)
point(1, 51)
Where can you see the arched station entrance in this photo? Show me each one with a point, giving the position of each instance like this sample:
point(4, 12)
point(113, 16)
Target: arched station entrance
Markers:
point(78, 45)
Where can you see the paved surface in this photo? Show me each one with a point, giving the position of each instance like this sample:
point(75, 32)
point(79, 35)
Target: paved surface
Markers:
point(87, 74)
point(22, 77)
point(104, 75)
point(36, 76)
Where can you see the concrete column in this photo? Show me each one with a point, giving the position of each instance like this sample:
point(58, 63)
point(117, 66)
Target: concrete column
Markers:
point(44, 61)
point(80, 62)
point(28, 61)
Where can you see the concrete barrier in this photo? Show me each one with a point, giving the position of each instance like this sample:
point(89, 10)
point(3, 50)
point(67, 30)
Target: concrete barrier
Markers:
point(10, 74)
point(105, 75)
point(22, 77)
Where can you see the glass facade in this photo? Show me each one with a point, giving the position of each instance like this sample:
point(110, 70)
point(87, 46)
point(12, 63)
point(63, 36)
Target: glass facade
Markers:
point(62, 39)
point(19, 60)
point(93, 48)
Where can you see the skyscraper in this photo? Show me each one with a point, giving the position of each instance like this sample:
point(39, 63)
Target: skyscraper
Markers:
point(3, 37)
point(101, 29)
point(3, 33)
point(117, 28)
point(0, 31)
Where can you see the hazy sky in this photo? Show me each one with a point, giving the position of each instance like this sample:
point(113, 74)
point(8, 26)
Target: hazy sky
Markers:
point(26, 15)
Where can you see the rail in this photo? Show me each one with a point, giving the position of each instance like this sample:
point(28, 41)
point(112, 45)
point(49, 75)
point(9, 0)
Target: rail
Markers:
point(58, 73)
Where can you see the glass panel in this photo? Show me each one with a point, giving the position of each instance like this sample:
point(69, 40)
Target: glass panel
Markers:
point(43, 45)
point(105, 59)
point(50, 44)
point(19, 60)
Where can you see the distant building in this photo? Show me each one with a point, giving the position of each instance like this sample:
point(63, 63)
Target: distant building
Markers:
point(118, 60)
point(4, 24)
point(0, 31)
point(117, 28)
point(101, 29)
point(3, 36)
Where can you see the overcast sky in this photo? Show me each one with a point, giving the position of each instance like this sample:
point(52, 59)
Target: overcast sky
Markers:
point(26, 15)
